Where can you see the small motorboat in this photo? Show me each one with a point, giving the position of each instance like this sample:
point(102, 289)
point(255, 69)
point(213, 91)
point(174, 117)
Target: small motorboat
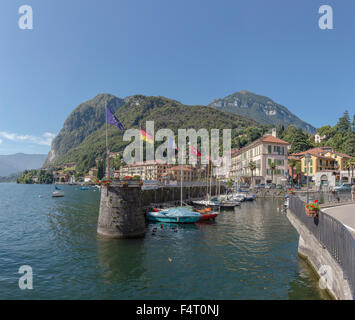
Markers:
point(238, 197)
point(207, 214)
point(174, 215)
point(207, 203)
point(84, 188)
point(229, 204)
point(250, 197)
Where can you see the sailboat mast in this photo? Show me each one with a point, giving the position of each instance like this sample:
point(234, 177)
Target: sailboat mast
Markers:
point(181, 172)
point(107, 150)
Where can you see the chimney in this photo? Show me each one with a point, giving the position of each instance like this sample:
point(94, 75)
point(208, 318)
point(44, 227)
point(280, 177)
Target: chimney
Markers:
point(274, 132)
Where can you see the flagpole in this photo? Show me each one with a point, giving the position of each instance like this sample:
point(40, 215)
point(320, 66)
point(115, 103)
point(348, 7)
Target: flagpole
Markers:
point(107, 151)
point(181, 173)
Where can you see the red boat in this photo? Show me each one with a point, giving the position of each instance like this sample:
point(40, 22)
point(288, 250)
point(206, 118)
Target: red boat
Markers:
point(207, 214)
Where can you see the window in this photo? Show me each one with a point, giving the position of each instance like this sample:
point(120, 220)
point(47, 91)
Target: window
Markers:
point(282, 150)
point(269, 149)
point(311, 170)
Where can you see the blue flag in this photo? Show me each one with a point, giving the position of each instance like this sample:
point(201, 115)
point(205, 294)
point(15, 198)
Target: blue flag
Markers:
point(111, 119)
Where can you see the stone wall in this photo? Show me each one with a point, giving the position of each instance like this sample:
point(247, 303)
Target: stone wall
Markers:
point(319, 258)
point(121, 214)
point(122, 209)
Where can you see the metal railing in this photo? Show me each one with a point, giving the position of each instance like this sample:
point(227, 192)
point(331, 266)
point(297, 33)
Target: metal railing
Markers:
point(333, 235)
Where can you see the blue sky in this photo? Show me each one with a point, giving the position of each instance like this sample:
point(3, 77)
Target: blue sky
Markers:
point(189, 50)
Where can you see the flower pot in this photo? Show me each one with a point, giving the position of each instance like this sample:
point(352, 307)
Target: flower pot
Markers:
point(311, 213)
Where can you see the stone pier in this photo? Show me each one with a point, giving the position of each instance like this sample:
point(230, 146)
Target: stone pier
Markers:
point(121, 214)
point(123, 208)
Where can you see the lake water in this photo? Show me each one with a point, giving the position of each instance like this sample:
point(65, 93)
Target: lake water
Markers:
point(249, 253)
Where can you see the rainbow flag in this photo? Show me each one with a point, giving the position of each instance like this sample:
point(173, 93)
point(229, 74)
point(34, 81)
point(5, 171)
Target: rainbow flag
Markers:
point(146, 137)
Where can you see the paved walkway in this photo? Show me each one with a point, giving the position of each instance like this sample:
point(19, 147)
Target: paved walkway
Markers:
point(345, 214)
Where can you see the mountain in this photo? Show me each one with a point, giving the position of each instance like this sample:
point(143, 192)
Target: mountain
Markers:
point(138, 109)
point(84, 119)
point(261, 109)
point(18, 162)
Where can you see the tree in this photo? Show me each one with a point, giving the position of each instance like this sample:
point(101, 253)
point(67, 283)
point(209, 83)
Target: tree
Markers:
point(292, 165)
point(100, 169)
point(272, 167)
point(252, 167)
point(299, 171)
point(344, 124)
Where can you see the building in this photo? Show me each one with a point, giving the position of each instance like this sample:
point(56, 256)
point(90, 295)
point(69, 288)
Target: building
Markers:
point(147, 170)
point(263, 152)
point(189, 173)
point(322, 159)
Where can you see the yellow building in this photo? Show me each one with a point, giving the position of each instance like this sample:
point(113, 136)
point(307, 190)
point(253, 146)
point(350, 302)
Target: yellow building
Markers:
point(321, 159)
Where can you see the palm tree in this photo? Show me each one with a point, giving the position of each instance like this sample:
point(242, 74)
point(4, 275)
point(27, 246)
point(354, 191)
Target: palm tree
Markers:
point(272, 167)
point(299, 171)
point(252, 167)
point(292, 165)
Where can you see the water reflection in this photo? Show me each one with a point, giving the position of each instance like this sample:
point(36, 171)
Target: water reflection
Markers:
point(248, 253)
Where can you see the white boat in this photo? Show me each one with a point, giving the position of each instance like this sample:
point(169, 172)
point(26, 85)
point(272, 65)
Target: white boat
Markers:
point(57, 192)
point(207, 203)
point(238, 197)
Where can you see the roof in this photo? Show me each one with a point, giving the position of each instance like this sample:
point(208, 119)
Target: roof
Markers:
point(272, 139)
point(266, 138)
point(319, 151)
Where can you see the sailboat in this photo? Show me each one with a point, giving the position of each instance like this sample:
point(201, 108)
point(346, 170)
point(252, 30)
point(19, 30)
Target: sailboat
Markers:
point(181, 214)
point(57, 192)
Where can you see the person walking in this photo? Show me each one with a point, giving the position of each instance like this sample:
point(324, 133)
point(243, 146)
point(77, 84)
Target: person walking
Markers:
point(353, 192)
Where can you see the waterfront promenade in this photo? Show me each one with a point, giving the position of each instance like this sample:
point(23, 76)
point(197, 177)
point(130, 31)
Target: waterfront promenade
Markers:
point(344, 213)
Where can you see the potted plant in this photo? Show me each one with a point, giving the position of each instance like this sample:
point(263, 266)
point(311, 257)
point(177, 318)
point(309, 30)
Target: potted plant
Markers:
point(106, 182)
point(312, 209)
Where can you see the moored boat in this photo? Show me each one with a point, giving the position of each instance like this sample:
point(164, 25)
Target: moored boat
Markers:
point(174, 215)
point(207, 214)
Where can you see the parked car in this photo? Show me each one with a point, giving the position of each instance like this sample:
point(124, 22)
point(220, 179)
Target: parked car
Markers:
point(343, 187)
point(270, 186)
point(279, 186)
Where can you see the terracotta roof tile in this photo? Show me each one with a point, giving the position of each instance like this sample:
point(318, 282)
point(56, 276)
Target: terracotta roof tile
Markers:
point(272, 139)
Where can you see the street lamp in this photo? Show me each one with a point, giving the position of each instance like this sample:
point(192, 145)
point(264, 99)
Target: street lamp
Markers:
point(308, 156)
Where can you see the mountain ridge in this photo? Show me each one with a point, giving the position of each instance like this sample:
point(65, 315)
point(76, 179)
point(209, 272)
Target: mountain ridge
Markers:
point(261, 109)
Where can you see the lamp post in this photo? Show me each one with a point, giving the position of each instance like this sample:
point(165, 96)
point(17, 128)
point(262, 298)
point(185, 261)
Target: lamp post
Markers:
point(308, 156)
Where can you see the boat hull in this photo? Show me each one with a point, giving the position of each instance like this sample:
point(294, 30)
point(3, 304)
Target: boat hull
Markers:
point(173, 219)
point(208, 216)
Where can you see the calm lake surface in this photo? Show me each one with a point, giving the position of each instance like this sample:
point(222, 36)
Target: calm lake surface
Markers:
point(249, 253)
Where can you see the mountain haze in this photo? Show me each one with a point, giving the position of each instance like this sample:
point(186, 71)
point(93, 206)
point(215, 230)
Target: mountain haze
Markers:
point(18, 162)
point(261, 109)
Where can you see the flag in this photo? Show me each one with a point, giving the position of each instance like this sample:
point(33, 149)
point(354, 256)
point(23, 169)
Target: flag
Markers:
point(111, 119)
point(146, 137)
point(171, 143)
point(194, 151)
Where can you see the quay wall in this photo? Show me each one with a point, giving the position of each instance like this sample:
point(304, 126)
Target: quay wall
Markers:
point(122, 209)
point(328, 247)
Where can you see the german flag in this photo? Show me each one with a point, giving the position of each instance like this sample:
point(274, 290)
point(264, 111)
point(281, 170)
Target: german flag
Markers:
point(146, 137)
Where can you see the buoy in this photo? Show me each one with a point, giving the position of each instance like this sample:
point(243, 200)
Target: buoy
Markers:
point(170, 260)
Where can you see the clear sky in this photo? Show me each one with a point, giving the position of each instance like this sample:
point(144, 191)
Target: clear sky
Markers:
point(189, 50)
